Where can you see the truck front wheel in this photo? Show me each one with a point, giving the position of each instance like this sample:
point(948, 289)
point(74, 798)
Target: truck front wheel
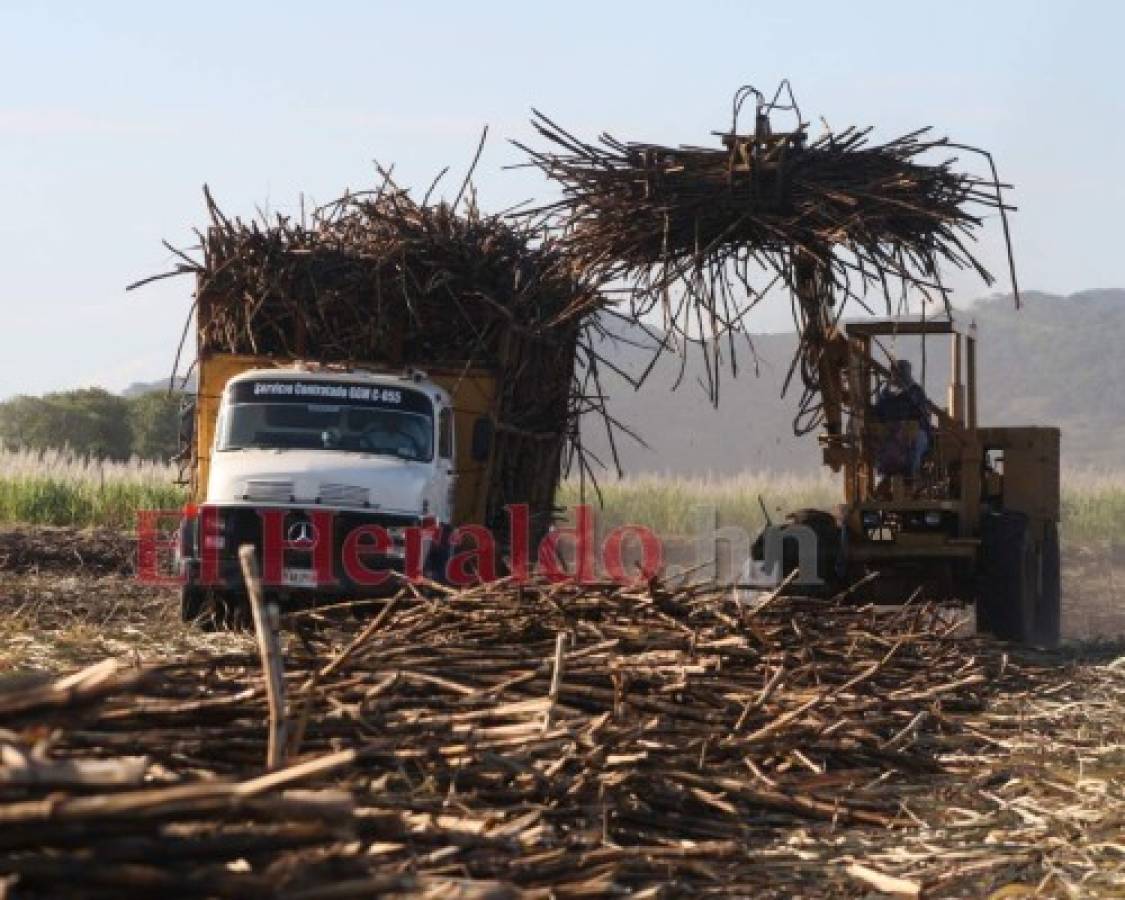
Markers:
point(437, 560)
point(213, 610)
point(192, 601)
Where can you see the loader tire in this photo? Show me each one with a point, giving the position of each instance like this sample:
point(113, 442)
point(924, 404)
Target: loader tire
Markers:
point(827, 530)
point(828, 545)
point(1009, 600)
point(1048, 617)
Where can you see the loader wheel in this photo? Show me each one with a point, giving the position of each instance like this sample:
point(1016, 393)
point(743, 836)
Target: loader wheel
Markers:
point(1009, 599)
point(827, 530)
point(1048, 617)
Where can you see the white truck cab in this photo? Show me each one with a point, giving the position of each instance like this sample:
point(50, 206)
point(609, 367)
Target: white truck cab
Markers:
point(358, 448)
point(342, 441)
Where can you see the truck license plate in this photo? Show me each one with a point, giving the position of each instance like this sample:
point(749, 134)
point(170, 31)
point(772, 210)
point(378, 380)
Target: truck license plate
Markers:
point(298, 577)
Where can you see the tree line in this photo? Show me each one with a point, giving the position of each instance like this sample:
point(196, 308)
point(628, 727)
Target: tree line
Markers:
point(94, 422)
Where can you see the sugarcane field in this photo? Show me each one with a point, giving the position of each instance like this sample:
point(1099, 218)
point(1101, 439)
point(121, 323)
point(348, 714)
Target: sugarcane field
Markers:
point(488, 452)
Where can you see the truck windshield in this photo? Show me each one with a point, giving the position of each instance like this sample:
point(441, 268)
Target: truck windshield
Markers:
point(397, 422)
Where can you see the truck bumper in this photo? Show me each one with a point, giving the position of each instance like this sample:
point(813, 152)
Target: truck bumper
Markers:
point(209, 546)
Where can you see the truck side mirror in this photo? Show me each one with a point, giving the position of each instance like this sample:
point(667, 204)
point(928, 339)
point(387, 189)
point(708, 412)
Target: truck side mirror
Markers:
point(482, 439)
point(186, 426)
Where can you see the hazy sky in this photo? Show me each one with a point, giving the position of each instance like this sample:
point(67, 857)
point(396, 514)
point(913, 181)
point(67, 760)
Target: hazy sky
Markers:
point(113, 115)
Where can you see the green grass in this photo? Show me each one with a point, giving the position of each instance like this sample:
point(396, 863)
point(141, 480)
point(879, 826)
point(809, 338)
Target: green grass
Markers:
point(56, 488)
point(671, 504)
point(1093, 504)
point(62, 489)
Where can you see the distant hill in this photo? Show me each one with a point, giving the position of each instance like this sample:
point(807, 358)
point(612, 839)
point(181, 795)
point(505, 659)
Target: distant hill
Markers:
point(1056, 361)
point(161, 384)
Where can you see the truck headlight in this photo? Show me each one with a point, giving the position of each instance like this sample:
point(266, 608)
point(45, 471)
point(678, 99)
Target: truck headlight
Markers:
point(212, 520)
point(933, 518)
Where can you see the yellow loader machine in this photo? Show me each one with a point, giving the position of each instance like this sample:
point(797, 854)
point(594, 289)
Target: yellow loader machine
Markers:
point(935, 505)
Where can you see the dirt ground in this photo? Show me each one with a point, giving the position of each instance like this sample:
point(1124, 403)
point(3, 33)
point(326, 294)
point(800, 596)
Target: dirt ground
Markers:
point(1093, 587)
point(1093, 591)
point(69, 597)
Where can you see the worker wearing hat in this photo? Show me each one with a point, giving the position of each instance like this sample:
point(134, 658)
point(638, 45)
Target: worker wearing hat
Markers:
point(901, 400)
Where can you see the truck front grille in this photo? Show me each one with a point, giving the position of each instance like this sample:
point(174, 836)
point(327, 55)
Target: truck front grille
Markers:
point(269, 491)
point(344, 495)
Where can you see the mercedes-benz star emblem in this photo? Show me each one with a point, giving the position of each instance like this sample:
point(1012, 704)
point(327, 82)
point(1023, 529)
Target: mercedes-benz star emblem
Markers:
point(302, 533)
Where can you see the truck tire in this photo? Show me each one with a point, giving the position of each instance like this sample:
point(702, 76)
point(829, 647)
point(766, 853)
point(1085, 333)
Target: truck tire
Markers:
point(212, 610)
point(1008, 603)
point(1048, 618)
point(192, 602)
point(436, 565)
point(231, 611)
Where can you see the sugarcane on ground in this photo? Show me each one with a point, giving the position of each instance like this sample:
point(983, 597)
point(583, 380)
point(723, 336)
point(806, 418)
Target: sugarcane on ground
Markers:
point(693, 745)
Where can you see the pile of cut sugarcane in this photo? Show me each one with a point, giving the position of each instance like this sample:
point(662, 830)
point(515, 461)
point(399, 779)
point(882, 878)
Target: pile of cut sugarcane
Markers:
point(551, 738)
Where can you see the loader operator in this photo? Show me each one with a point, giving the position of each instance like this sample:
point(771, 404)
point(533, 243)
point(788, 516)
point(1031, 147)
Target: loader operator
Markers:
point(903, 409)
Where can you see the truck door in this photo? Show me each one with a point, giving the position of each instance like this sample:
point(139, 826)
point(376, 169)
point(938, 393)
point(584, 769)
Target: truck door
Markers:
point(446, 474)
